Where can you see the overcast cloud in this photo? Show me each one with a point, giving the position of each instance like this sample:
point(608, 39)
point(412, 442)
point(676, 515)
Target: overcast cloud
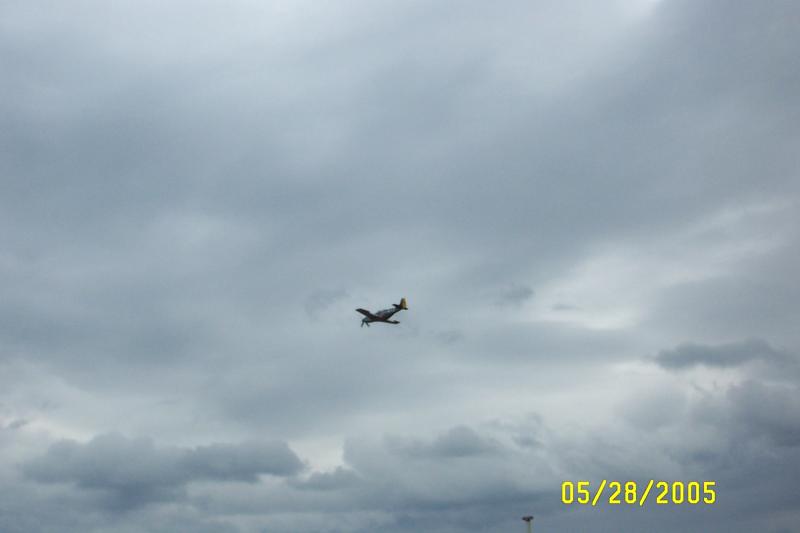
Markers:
point(592, 208)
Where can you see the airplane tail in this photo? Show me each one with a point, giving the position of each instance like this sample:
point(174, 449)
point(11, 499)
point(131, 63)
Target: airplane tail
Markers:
point(402, 304)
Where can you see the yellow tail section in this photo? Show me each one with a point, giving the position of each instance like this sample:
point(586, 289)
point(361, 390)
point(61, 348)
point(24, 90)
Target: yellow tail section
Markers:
point(403, 304)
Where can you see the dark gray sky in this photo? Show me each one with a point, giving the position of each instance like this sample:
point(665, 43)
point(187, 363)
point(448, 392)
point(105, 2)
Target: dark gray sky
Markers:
point(592, 208)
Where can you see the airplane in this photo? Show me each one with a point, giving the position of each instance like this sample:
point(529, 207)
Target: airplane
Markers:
point(382, 316)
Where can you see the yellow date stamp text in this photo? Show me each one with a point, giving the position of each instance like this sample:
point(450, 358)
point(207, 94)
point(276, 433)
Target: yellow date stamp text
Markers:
point(633, 493)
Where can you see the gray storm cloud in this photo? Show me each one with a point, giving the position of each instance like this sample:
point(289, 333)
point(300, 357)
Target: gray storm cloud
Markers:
point(134, 471)
point(725, 355)
point(592, 210)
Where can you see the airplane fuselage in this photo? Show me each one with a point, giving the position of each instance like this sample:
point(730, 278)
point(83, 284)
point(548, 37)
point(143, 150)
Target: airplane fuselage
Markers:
point(386, 314)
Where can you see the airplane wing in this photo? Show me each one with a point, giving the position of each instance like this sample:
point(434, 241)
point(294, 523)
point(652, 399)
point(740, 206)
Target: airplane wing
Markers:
point(368, 314)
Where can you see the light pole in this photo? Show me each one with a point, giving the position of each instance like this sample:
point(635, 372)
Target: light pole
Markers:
point(529, 520)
